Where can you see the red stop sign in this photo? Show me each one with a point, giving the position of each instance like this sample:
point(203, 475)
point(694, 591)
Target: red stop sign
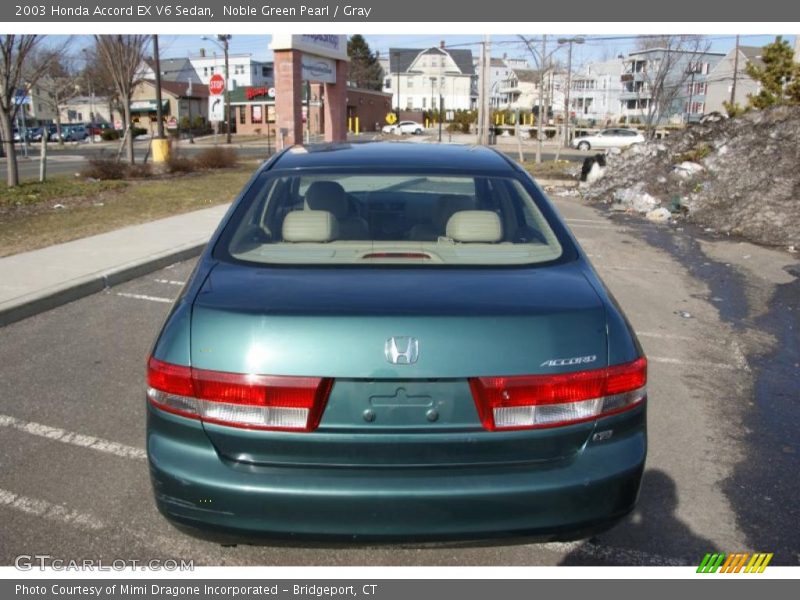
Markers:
point(216, 85)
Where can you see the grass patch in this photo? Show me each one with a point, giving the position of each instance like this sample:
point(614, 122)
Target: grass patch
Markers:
point(33, 192)
point(115, 204)
point(551, 169)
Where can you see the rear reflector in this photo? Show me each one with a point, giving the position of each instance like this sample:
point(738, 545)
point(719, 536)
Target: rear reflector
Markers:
point(530, 401)
point(238, 400)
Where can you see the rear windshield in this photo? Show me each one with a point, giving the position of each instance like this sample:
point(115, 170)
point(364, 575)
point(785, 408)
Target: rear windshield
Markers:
point(351, 218)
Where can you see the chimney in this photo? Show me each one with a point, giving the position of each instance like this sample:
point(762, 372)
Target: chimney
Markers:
point(202, 52)
point(441, 44)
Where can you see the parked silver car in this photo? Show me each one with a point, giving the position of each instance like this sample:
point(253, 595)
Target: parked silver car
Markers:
point(608, 138)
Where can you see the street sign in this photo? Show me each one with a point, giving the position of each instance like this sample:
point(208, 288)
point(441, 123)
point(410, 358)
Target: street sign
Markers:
point(216, 109)
point(216, 85)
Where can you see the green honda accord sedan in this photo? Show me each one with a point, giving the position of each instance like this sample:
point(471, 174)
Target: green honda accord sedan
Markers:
point(395, 341)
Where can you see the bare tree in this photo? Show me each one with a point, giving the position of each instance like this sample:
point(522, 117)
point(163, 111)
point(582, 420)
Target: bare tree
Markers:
point(101, 82)
point(664, 74)
point(58, 84)
point(121, 57)
point(22, 65)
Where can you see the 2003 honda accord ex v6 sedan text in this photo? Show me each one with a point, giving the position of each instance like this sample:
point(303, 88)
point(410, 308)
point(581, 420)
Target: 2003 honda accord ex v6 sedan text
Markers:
point(395, 341)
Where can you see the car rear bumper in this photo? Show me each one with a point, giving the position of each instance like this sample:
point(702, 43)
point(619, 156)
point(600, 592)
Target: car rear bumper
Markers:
point(559, 500)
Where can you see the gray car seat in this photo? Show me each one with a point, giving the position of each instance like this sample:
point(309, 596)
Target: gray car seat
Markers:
point(331, 197)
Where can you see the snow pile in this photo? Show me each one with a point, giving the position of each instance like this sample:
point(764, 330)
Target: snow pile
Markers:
point(738, 176)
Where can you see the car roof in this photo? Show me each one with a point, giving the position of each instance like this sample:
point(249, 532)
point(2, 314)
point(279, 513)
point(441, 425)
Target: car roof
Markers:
point(394, 155)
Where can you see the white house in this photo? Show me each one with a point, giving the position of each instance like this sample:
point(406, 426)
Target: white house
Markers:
point(418, 77)
point(520, 90)
point(595, 92)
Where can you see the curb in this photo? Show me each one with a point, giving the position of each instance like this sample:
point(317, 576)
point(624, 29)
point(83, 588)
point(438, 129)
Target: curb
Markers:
point(49, 298)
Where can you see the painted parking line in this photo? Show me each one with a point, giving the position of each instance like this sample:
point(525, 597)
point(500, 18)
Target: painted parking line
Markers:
point(75, 439)
point(145, 297)
point(49, 511)
point(60, 513)
point(169, 281)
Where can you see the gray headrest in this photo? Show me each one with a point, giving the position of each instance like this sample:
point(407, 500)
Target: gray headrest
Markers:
point(327, 195)
point(475, 226)
point(450, 204)
point(310, 226)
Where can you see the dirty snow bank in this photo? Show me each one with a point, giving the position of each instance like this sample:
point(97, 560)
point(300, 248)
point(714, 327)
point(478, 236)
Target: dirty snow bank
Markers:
point(739, 176)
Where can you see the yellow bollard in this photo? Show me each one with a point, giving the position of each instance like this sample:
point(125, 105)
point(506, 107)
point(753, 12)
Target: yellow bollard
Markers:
point(160, 149)
point(350, 124)
point(357, 129)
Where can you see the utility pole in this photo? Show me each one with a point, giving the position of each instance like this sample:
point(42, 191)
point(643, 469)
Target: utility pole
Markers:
point(540, 116)
point(159, 107)
point(484, 114)
point(569, 41)
point(190, 93)
point(735, 73)
point(225, 39)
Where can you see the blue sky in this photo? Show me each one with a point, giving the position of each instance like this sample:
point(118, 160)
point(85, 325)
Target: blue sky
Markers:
point(595, 48)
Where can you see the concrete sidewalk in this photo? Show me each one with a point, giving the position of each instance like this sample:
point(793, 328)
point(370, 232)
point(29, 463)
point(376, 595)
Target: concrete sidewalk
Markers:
point(33, 282)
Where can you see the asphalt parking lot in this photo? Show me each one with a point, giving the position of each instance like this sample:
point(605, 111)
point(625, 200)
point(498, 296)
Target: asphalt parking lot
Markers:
point(723, 456)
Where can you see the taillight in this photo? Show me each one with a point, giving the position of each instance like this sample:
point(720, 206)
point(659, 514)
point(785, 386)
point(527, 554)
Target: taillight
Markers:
point(238, 400)
point(530, 401)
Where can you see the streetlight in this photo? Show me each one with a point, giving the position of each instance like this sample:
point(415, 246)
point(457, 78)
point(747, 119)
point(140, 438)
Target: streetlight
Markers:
point(222, 43)
point(569, 41)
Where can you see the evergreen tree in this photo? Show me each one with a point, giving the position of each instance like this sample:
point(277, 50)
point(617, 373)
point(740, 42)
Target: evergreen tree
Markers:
point(779, 77)
point(364, 70)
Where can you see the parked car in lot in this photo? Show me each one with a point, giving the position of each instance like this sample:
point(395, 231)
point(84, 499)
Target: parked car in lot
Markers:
point(404, 127)
point(395, 341)
point(75, 133)
point(608, 138)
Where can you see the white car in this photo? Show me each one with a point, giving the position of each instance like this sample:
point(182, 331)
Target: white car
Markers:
point(608, 138)
point(404, 127)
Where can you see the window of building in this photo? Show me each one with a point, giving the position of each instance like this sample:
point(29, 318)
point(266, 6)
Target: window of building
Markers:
point(205, 71)
point(410, 82)
point(387, 83)
point(238, 69)
point(424, 102)
point(256, 114)
point(242, 112)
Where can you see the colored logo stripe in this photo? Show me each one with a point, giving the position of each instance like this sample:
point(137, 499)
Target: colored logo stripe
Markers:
point(734, 563)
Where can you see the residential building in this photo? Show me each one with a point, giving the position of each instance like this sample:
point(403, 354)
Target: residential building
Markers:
point(245, 71)
point(417, 77)
point(595, 92)
point(86, 109)
point(501, 70)
point(520, 91)
point(37, 105)
point(689, 73)
point(720, 78)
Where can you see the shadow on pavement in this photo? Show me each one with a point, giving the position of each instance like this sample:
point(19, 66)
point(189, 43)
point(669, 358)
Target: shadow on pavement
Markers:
point(651, 535)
